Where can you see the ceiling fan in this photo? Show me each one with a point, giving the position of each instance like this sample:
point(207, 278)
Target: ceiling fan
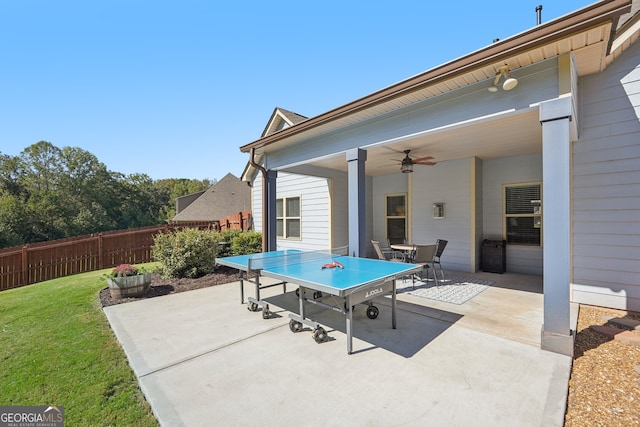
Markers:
point(406, 164)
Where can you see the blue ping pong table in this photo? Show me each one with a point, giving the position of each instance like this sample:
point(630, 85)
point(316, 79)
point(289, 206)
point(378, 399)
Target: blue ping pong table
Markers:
point(354, 280)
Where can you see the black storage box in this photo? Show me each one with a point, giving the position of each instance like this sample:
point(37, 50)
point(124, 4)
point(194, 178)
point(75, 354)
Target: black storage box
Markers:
point(494, 256)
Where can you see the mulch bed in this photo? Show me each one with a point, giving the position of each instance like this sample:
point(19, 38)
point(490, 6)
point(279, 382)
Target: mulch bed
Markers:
point(161, 286)
point(604, 389)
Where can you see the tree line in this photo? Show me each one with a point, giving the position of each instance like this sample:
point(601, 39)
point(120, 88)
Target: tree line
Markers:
point(49, 193)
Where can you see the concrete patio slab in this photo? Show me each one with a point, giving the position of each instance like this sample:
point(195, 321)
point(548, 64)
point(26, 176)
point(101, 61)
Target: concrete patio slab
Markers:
point(203, 359)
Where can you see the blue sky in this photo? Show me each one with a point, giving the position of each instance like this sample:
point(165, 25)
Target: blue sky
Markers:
point(173, 89)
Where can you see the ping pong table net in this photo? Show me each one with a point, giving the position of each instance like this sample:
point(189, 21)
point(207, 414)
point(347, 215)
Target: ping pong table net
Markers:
point(294, 256)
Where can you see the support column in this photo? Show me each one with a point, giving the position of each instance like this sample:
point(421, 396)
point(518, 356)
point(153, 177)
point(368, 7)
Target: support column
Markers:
point(270, 207)
point(356, 159)
point(556, 119)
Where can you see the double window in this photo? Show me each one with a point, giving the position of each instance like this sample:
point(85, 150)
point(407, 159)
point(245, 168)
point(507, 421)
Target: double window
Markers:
point(523, 214)
point(288, 218)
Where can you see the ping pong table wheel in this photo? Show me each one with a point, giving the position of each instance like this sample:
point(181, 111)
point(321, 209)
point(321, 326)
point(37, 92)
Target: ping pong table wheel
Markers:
point(317, 295)
point(298, 292)
point(320, 335)
point(266, 313)
point(295, 326)
point(372, 312)
point(252, 306)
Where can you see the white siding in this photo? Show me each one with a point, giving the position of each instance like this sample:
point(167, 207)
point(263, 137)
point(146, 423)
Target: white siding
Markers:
point(449, 182)
point(256, 203)
point(496, 173)
point(477, 233)
point(383, 185)
point(315, 209)
point(606, 187)
point(473, 208)
point(340, 216)
point(338, 197)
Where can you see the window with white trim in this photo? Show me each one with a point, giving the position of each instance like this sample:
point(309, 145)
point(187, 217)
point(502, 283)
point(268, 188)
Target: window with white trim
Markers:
point(288, 218)
point(396, 217)
point(523, 214)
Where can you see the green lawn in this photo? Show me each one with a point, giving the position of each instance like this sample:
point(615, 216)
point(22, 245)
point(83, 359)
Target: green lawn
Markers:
point(58, 349)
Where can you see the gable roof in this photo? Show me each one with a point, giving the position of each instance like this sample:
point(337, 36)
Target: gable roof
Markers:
point(281, 119)
point(228, 196)
point(589, 33)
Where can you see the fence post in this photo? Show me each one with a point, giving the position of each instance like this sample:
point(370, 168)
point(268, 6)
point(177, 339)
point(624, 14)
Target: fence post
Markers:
point(100, 252)
point(25, 265)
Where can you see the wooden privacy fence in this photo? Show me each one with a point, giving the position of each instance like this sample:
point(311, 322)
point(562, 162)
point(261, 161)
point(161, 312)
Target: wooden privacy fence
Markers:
point(37, 262)
point(239, 221)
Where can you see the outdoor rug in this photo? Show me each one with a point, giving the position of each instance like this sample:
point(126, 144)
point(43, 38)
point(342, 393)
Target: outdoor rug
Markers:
point(454, 290)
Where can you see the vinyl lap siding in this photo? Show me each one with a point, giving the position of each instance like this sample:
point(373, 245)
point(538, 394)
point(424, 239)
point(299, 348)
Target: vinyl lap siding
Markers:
point(453, 188)
point(315, 209)
point(606, 188)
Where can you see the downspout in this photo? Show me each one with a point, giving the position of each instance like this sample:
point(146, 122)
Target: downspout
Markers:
point(265, 223)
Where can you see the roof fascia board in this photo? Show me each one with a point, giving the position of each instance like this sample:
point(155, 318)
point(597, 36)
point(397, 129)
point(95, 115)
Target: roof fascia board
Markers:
point(588, 17)
point(624, 32)
point(276, 113)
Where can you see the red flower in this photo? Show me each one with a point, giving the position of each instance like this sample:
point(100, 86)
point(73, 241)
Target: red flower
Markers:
point(124, 270)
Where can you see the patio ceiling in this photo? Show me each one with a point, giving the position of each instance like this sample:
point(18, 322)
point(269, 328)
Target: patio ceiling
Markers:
point(509, 135)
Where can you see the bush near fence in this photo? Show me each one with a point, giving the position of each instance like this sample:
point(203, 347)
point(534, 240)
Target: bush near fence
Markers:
point(37, 262)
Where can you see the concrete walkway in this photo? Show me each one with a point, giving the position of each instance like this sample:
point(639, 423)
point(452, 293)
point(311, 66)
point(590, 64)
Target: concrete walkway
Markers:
point(203, 359)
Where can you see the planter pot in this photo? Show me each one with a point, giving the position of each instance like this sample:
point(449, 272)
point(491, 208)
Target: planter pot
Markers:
point(129, 286)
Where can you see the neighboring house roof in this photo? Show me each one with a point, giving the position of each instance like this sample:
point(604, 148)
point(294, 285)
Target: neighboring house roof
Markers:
point(589, 33)
point(183, 201)
point(226, 197)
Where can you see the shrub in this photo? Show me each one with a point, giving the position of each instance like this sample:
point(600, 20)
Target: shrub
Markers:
point(228, 236)
point(249, 242)
point(186, 253)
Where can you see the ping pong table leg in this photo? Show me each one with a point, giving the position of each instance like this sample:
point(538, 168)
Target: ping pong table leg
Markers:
point(241, 287)
point(301, 301)
point(349, 316)
point(393, 305)
point(258, 286)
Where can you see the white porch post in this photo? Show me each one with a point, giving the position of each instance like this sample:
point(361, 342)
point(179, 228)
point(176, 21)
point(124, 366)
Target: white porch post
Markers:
point(270, 189)
point(356, 159)
point(556, 117)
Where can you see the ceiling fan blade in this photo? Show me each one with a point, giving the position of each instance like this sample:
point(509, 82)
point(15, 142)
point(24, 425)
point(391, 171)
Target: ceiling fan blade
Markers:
point(424, 163)
point(420, 159)
point(393, 149)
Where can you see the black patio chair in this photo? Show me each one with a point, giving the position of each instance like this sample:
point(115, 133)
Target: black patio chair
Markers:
point(386, 254)
point(424, 255)
point(440, 245)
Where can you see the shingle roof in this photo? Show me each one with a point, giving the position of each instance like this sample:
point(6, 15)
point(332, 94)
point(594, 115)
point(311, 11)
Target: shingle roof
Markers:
point(281, 118)
point(228, 196)
point(294, 118)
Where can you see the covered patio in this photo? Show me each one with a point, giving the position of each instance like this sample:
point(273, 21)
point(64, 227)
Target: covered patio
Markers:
point(503, 116)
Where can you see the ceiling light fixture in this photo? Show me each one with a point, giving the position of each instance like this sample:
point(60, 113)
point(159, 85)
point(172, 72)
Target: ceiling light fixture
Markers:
point(406, 165)
point(509, 82)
